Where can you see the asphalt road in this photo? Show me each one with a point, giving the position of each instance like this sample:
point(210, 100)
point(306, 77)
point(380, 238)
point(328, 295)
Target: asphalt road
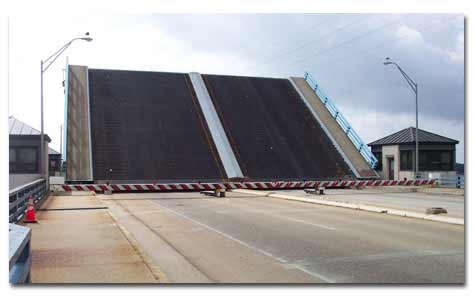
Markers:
point(248, 239)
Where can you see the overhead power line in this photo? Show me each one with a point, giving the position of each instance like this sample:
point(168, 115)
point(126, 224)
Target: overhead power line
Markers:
point(320, 53)
point(319, 38)
point(431, 26)
point(441, 21)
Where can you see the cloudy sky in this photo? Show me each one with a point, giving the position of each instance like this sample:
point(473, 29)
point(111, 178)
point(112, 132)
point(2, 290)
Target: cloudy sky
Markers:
point(344, 52)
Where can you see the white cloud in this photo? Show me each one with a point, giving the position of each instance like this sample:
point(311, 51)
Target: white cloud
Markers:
point(410, 35)
point(413, 38)
point(457, 54)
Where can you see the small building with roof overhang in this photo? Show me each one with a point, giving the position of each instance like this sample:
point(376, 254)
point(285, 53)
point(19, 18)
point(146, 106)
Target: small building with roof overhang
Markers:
point(24, 153)
point(396, 154)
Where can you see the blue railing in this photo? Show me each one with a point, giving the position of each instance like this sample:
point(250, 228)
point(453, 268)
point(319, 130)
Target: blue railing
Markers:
point(342, 121)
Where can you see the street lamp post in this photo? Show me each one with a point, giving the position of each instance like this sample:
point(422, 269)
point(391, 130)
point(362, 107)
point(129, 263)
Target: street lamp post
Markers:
point(413, 86)
point(45, 64)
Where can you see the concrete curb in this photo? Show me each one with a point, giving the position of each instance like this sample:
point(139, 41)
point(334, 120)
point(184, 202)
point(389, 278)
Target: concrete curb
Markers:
point(76, 193)
point(157, 273)
point(364, 207)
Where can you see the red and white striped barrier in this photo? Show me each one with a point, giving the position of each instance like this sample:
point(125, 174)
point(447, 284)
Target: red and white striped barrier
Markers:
point(177, 187)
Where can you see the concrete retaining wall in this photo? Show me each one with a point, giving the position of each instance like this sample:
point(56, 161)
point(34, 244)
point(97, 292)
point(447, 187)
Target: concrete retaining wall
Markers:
point(78, 147)
point(342, 141)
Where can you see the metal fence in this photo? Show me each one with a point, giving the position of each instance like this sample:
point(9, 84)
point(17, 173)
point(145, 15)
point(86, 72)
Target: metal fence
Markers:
point(20, 255)
point(455, 181)
point(19, 198)
point(341, 120)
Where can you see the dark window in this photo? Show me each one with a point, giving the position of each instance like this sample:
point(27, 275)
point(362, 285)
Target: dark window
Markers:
point(436, 160)
point(12, 155)
point(378, 156)
point(446, 161)
point(23, 160)
point(406, 160)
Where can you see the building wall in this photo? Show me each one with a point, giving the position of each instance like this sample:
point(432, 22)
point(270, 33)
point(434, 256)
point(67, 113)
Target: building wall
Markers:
point(390, 150)
point(395, 150)
point(19, 179)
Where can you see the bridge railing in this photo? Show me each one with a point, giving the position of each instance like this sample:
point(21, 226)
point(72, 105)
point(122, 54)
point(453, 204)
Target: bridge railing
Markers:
point(455, 181)
point(342, 121)
point(20, 255)
point(19, 198)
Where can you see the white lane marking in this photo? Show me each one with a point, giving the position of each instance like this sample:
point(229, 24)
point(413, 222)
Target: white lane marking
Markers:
point(392, 256)
point(281, 215)
point(326, 279)
point(311, 224)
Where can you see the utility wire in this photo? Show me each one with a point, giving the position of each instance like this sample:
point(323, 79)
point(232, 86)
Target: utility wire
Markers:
point(432, 25)
point(319, 38)
point(349, 41)
point(324, 20)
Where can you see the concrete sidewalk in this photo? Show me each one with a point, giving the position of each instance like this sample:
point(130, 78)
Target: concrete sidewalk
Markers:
point(393, 198)
point(383, 202)
point(77, 241)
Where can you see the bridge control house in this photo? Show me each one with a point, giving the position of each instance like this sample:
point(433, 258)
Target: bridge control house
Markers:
point(396, 155)
point(24, 153)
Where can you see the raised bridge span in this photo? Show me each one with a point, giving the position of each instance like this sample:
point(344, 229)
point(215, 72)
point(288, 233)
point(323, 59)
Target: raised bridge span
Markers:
point(147, 127)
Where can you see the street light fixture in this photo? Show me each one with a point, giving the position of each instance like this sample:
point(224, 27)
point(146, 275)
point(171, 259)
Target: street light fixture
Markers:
point(45, 64)
point(413, 86)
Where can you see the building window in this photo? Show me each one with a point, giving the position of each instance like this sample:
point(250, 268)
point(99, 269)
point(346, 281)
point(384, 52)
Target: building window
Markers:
point(379, 165)
point(406, 160)
point(446, 161)
point(436, 161)
point(23, 160)
point(12, 156)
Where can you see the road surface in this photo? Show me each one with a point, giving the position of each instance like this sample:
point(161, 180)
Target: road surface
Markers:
point(246, 239)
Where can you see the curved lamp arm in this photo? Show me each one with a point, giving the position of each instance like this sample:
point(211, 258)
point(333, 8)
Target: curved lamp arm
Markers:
point(60, 51)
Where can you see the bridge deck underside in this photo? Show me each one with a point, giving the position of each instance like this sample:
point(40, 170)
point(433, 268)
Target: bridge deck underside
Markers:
point(148, 126)
point(272, 132)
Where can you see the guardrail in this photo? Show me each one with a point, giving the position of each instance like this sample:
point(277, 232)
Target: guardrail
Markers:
point(342, 121)
point(455, 181)
point(20, 256)
point(19, 198)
